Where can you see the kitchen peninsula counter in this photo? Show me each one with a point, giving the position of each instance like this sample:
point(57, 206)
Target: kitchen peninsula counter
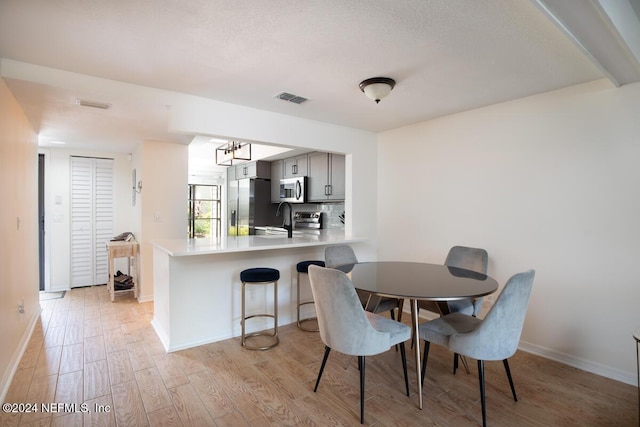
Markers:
point(230, 244)
point(197, 292)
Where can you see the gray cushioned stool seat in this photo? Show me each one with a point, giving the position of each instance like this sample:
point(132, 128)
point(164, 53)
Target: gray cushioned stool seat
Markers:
point(261, 274)
point(303, 266)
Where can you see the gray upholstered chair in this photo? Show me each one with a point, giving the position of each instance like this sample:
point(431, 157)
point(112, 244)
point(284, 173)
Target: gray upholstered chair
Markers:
point(340, 255)
point(346, 327)
point(474, 259)
point(337, 255)
point(494, 338)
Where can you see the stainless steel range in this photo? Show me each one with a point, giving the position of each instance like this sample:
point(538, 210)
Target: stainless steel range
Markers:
point(308, 221)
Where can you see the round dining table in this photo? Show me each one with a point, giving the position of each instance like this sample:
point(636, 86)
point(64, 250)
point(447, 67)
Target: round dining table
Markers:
point(417, 281)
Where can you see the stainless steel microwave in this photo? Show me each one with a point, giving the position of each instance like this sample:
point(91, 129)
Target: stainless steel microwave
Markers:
point(293, 190)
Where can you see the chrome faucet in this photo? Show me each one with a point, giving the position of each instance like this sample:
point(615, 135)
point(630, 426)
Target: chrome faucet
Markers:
point(289, 227)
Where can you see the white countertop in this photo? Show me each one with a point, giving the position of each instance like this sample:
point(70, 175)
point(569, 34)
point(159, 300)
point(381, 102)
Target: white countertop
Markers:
point(226, 244)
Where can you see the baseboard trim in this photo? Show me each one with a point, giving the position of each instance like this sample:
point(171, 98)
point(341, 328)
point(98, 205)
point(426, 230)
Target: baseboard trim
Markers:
point(164, 337)
point(564, 358)
point(67, 288)
point(145, 298)
point(17, 356)
point(160, 332)
point(580, 363)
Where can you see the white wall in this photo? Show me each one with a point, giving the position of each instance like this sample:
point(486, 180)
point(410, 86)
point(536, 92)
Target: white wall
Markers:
point(162, 203)
point(18, 233)
point(57, 207)
point(548, 182)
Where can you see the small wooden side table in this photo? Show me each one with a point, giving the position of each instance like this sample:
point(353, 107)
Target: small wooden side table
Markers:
point(122, 249)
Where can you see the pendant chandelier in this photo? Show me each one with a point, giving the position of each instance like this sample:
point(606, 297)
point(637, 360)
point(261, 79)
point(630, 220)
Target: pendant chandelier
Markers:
point(233, 150)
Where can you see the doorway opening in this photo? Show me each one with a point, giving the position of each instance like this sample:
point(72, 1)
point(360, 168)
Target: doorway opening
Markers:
point(41, 219)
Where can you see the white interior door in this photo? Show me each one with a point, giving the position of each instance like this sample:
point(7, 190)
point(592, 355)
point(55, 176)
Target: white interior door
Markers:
point(92, 198)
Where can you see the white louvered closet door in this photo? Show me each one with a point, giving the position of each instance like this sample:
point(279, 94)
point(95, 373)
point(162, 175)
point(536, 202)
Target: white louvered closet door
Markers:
point(92, 198)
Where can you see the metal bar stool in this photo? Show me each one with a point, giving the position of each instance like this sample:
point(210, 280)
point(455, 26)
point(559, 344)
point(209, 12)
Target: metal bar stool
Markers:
point(260, 276)
point(303, 268)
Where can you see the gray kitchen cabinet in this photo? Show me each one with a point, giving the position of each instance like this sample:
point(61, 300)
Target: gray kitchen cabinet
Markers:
point(277, 173)
point(337, 177)
point(326, 177)
point(295, 166)
point(257, 169)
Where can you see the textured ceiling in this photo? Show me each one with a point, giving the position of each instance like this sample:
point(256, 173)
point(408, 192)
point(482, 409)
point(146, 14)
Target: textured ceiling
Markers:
point(446, 56)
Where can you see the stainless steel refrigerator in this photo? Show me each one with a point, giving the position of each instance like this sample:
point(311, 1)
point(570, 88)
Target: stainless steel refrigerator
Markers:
point(249, 205)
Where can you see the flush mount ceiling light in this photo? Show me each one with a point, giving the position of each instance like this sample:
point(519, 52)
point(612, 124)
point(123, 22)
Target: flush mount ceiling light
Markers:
point(377, 88)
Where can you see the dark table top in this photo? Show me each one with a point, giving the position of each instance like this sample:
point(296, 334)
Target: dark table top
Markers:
point(416, 280)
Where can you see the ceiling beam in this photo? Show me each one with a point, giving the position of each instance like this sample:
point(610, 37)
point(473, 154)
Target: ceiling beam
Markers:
point(607, 31)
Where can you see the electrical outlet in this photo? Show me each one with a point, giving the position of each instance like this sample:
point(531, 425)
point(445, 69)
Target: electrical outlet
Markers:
point(21, 306)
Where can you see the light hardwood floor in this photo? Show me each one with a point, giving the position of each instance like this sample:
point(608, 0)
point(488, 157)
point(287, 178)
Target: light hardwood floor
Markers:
point(86, 349)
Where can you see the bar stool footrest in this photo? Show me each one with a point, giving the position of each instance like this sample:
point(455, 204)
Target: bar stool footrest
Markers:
point(302, 326)
point(248, 346)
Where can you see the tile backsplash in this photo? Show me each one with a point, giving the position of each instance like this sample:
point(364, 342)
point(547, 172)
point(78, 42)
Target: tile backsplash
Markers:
point(331, 211)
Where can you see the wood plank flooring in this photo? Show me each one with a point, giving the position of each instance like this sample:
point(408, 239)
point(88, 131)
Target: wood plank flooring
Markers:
point(86, 349)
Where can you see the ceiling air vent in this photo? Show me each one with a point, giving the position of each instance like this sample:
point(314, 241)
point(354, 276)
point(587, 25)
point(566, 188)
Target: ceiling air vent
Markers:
point(291, 97)
point(93, 104)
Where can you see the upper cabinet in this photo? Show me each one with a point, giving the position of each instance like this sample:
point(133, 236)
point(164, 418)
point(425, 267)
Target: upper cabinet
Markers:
point(277, 173)
point(288, 168)
point(295, 166)
point(257, 169)
point(326, 172)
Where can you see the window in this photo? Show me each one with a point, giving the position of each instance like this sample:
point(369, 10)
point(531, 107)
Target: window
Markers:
point(204, 210)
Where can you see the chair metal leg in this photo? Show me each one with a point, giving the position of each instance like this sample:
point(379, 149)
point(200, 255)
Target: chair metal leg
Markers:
point(457, 357)
point(403, 354)
point(346, 366)
point(482, 396)
point(464, 363)
point(513, 389)
point(424, 360)
point(361, 365)
point(327, 349)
